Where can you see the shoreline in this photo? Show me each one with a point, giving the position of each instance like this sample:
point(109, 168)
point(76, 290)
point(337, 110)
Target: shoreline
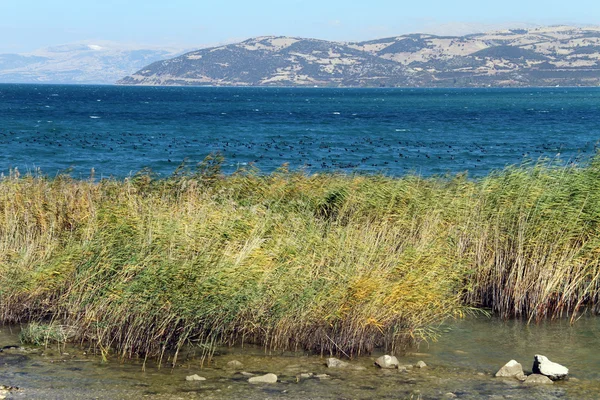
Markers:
point(76, 372)
point(324, 263)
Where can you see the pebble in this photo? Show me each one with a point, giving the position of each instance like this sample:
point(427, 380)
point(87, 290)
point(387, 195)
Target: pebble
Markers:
point(537, 378)
point(195, 377)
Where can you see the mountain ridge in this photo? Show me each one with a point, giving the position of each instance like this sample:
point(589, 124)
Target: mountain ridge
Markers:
point(541, 56)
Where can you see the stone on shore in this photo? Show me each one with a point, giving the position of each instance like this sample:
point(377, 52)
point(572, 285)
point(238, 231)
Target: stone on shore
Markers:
point(387, 362)
point(195, 377)
point(268, 378)
point(543, 366)
point(420, 364)
point(538, 379)
point(511, 369)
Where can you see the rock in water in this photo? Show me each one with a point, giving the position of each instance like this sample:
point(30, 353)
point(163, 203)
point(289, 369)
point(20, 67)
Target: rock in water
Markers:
point(420, 364)
point(543, 366)
point(268, 378)
point(511, 369)
point(387, 362)
point(336, 363)
point(235, 364)
point(537, 378)
point(194, 377)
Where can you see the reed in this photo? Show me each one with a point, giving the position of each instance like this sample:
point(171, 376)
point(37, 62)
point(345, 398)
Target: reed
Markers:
point(327, 263)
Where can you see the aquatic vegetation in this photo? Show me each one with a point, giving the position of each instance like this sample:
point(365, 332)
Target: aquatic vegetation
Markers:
point(329, 263)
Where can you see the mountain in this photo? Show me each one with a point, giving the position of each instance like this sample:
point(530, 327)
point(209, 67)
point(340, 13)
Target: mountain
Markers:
point(273, 61)
point(101, 63)
point(541, 56)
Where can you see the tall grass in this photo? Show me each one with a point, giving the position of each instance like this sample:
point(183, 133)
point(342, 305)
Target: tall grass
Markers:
point(329, 263)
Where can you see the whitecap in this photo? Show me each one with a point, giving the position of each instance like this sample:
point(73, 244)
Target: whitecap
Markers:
point(94, 117)
point(336, 113)
point(401, 130)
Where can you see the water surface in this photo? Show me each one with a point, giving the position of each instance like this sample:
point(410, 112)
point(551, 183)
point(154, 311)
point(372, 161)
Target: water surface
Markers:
point(120, 130)
point(462, 362)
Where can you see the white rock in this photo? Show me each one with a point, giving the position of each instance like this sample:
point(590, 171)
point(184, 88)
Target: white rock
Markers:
point(268, 378)
point(420, 364)
point(195, 377)
point(511, 369)
point(543, 366)
point(387, 362)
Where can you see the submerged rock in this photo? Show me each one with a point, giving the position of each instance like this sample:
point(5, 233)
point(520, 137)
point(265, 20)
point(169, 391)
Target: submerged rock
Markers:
point(387, 362)
point(235, 364)
point(543, 366)
point(195, 377)
point(511, 369)
point(268, 378)
point(538, 379)
point(336, 363)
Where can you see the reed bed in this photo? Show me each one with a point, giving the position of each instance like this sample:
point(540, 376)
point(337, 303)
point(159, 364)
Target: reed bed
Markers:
point(336, 264)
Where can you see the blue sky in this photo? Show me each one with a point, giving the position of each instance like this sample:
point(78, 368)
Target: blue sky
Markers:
point(26, 25)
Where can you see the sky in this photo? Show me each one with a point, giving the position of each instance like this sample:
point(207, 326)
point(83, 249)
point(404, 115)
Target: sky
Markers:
point(26, 25)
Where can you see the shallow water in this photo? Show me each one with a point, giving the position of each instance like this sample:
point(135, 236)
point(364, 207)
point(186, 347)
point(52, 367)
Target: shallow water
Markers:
point(462, 362)
point(120, 130)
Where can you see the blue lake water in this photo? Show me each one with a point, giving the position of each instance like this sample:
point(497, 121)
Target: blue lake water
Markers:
point(120, 130)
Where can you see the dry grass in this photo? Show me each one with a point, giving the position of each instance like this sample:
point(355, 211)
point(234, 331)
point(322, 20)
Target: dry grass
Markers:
point(328, 263)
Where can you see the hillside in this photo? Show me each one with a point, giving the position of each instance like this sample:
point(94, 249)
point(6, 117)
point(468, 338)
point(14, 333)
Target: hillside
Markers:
point(545, 56)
